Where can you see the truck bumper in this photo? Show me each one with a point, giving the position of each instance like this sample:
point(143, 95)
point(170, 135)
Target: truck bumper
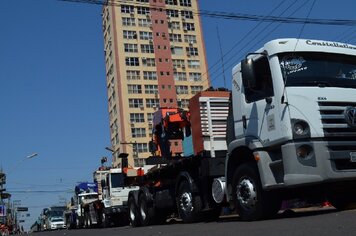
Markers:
point(327, 161)
point(115, 210)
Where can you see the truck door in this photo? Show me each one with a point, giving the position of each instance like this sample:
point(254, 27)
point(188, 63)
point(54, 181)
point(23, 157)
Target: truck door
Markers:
point(259, 116)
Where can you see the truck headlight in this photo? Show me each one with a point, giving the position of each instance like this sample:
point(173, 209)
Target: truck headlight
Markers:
point(300, 129)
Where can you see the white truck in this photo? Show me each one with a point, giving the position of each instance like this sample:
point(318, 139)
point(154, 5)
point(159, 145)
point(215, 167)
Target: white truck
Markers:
point(77, 214)
point(113, 194)
point(292, 127)
point(287, 130)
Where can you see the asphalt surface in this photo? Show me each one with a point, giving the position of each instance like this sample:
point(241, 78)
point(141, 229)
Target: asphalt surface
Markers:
point(316, 221)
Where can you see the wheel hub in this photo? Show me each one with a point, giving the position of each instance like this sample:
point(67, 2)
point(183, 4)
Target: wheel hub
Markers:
point(186, 202)
point(246, 193)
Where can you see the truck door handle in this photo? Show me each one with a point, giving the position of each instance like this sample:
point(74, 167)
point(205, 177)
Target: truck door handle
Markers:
point(244, 122)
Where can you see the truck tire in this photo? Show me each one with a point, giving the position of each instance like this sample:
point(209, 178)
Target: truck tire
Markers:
point(189, 205)
point(250, 200)
point(146, 213)
point(133, 213)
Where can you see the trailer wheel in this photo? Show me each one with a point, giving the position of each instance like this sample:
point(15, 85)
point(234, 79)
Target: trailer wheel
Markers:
point(133, 213)
point(189, 205)
point(147, 213)
point(251, 201)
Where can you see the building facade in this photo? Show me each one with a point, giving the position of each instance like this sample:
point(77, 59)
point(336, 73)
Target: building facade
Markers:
point(155, 57)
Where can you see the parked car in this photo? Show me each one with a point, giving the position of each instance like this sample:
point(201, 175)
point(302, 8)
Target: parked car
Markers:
point(56, 223)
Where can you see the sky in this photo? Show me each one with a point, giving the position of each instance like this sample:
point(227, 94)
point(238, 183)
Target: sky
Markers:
point(52, 82)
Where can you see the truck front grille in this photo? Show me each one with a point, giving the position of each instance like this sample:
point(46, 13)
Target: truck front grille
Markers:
point(333, 119)
point(341, 137)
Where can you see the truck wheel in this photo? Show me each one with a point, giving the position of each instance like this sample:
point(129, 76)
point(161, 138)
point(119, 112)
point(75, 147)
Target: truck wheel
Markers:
point(133, 213)
point(147, 214)
point(189, 205)
point(250, 200)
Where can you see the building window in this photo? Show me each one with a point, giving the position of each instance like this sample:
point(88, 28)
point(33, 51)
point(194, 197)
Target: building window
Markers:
point(138, 132)
point(148, 61)
point(149, 117)
point(196, 89)
point(129, 34)
point(132, 61)
point(188, 26)
point(127, 9)
point(134, 88)
point(194, 76)
point(175, 37)
point(190, 38)
point(152, 103)
point(144, 22)
point(186, 14)
point(144, 35)
point(137, 117)
point(129, 47)
point(172, 13)
point(183, 103)
point(132, 74)
point(174, 25)
point(180, 76)
point(147, 48)
point(192, 51)
point(185, 3)
point(143, 10)
point(139, 162)
point(136, 103)
point(171, 2)
point(181, 89)
point(151, 89)
point(150, 75)
point(177, 51)
point(140, 147)
point(178, 63)
point(194, 64)
point(128, 21)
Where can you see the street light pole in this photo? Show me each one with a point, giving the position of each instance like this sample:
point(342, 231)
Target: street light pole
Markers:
point(22, 160)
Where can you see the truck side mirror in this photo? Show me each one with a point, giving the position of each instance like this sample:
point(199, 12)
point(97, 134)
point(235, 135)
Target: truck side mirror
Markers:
point(248, 73)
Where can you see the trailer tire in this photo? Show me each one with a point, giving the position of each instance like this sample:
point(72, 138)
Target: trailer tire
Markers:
point(189, 205)
point(146, 213)
point(250, 200)
point(133, 213)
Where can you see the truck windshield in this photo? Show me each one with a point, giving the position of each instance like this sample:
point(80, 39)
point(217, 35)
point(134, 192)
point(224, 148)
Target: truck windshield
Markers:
point(117, 180)
point(318, 69)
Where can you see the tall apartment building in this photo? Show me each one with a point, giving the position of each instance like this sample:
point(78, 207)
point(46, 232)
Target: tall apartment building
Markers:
point(155, 57)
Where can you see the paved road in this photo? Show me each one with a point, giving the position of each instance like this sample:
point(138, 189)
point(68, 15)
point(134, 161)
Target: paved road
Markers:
point(311, 222)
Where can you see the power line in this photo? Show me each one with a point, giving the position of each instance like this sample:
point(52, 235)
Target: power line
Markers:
point(232, 15)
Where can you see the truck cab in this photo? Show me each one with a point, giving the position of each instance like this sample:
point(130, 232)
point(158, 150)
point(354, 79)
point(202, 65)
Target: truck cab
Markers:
point(293, 119)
